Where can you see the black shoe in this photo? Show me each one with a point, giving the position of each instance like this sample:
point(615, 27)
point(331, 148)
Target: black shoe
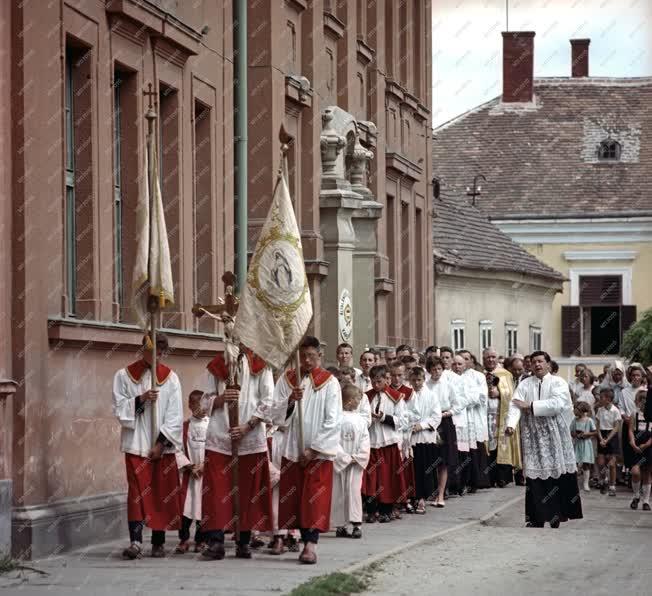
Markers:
point(134, 551)
point(384, 519)
point(371, 519)
point(634, 503)
point(357, 532)
point(462, 492)
point(533, 525)
point(500, 484)
point(291, 544)
point(473, 490)
point(242, 551)
point(214, 551)
point(158, 551)
point(342, 532)
point(554, 523)
point(603, 489)
point(646, 507)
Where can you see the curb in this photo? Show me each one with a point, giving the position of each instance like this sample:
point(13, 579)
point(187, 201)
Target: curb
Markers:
point(410, 545)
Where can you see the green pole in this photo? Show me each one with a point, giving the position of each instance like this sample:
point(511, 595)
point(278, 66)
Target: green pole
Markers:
point(240, 131)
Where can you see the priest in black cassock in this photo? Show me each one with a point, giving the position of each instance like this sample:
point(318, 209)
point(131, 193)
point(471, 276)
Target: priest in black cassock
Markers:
point(543, 405)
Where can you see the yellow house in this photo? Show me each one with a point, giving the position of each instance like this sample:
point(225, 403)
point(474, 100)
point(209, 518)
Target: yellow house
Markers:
point(568, 168)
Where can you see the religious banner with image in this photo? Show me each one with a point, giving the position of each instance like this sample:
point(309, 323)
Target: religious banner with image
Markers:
point(275, 305)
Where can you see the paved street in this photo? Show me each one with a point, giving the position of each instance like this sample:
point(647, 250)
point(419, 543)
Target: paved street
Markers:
point(452, 550)
point(605, 553)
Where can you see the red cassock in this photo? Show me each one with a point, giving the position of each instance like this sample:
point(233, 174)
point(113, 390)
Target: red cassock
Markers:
point(384, 477)
point(255, 492)
point(305, 495)
point(153, 492)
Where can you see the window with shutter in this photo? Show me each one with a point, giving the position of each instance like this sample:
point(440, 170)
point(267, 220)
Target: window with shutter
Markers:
point(571, 331)
point(601, 290)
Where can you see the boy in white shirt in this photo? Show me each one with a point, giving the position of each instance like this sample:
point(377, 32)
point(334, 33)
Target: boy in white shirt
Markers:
point(349, 466)
point(608, 419)
point(190, 461)
point(384, 483)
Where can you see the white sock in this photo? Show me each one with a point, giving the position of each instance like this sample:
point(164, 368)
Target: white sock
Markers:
point(646, 493)
point(636, 487)
point(586, 481)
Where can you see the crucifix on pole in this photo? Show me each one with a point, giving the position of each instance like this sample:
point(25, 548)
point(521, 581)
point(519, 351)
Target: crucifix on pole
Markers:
point(225, 310)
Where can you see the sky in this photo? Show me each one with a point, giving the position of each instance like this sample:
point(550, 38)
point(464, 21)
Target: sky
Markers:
point(467, 44)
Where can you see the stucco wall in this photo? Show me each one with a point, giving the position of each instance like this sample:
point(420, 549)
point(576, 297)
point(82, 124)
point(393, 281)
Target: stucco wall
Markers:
point(640, 266)
point(475, 298)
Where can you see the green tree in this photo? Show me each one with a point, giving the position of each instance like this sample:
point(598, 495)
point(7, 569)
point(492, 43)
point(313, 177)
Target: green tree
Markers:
point(637, 343)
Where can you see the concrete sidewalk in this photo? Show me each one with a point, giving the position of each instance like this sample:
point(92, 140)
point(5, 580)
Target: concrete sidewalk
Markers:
point(101, 570)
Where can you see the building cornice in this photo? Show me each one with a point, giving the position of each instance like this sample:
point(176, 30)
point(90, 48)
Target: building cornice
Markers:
point(600, 255)
point(605, 230)
point(443, 271)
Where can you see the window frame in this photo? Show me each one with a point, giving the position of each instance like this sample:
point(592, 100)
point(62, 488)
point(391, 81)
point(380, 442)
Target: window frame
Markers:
point(610, 145)
point(536, 331)
point(511, 338)
point(458, 332)
point(488, 327)
point(69, 172)
point(117, 188)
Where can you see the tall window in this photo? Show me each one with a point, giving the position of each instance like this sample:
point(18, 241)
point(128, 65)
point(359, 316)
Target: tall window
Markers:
point(535, 338)
point(203, 212)
point(292, 67)
point(117, 188)
point(80, 196)
point(169, 177)
point(486, 335)
point(330, 79)
point(457, 334)
point(511, 339)
point(71, 254)
point(127, 167)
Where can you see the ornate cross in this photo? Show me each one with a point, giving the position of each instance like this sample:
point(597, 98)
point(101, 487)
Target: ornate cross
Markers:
point(225, 306)
point(149, 94)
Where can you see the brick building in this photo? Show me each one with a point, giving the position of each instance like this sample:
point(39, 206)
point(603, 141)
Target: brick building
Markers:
point(351, 82)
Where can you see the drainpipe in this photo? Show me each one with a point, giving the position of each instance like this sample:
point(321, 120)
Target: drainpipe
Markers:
point(240, 132)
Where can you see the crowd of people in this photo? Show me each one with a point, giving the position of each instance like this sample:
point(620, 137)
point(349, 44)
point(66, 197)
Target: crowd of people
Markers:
point(292, 454)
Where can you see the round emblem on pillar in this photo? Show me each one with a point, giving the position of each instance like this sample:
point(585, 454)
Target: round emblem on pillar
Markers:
point(345, 316)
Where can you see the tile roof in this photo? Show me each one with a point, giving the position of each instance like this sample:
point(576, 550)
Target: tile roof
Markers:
point(464, 237)
point(540, 159)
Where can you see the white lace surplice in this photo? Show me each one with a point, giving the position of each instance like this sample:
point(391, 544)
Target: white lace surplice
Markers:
point(545, 434)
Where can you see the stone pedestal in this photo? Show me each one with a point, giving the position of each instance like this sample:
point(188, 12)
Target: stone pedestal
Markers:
point(348, 215)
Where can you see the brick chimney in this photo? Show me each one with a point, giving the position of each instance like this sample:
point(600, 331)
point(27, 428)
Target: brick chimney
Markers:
point(518, 66)
point(580, 57)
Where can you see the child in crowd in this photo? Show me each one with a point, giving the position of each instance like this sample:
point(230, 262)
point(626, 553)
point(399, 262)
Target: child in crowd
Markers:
point(423, 418)
point(608, 419)
point(583, 430)
point(447, 445)
point(348, 374)
point(640, 440)
point(383, 483)
point(349, 466)
point(190, 462)
point(584, 389)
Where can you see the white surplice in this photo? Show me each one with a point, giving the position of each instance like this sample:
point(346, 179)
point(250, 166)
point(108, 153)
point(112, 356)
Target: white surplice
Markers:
point(382, 433)
point(364, 410)
point(352, 459)
point(362, 382)
point(135, 436)
point(322, 412)
point(195, 447)
point(256, 391)
point(424, 409)
point(545, 432)
point(477, 394)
